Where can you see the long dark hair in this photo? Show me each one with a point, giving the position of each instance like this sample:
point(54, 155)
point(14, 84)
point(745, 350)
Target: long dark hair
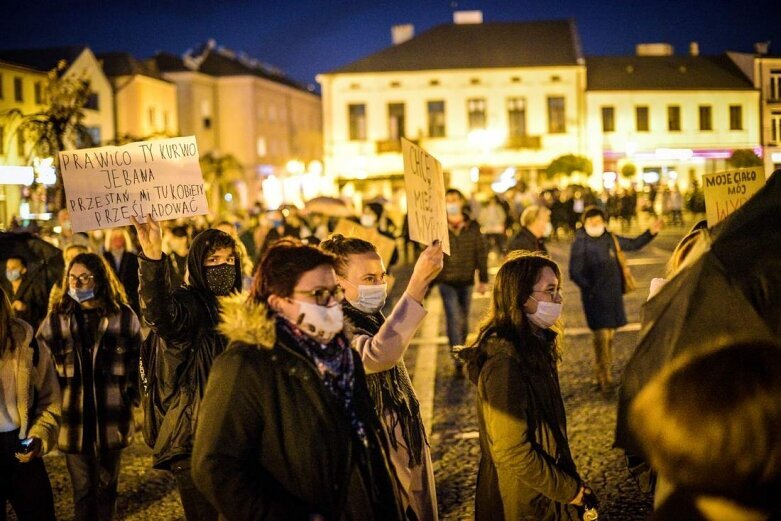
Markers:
point(6, 314)
point(282, 266)
point(109, 293)
point(513, 286)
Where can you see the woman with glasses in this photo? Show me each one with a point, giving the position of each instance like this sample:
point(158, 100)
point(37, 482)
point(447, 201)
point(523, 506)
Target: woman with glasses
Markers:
point(94, 338)
point(526, 469)
point(291, 430)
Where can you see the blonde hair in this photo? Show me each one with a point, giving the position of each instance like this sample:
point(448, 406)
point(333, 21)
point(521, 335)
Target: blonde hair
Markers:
point(531, 213)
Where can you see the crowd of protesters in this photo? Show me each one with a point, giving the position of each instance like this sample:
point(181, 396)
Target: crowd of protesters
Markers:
point(274, 384)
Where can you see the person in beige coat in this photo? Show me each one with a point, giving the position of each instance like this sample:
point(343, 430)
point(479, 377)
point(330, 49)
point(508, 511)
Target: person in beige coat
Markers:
point(381, 343)
point(29, 418)
point(526, 469)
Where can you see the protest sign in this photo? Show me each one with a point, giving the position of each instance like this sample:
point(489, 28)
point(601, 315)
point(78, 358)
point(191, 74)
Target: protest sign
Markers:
point(727, 191)
point(385, 245)
point(425, 196)
point(105, 186)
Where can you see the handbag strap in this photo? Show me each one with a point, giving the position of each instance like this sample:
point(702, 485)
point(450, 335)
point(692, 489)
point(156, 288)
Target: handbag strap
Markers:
point(616, 243)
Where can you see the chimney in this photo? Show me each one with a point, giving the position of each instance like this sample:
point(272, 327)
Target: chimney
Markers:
point(467, 17)
point(402, 33)
point(762, 48)
point(654, 49)
point(694, 49)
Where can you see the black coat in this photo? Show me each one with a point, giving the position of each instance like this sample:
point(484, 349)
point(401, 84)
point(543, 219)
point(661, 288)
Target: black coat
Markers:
point(593, 266)
point(32, 293)
point(127, 273)
point(186, 319)
point(526, 240)
point(277, 444)
point(468, 254)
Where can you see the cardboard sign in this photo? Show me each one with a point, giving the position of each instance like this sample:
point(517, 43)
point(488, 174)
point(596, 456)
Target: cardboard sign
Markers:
point(385, 245)
point(105, 186)
point(425, 196)
point(727, 191)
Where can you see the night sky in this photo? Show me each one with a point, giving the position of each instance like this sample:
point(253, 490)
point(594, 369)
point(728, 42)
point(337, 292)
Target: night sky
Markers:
point(305, 37)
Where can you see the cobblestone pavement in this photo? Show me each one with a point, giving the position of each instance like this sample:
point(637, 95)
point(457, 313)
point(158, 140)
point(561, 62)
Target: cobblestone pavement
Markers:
point(146, 494)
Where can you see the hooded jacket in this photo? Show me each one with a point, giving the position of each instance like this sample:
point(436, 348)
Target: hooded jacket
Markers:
point(526, 470)
point(278, 445)
point(37, 389)
point(185, 318)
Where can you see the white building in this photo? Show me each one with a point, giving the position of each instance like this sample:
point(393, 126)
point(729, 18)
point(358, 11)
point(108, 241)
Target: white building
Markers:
point(486, 99)
point(764, 71)
point(673, 117)
point(234, 104)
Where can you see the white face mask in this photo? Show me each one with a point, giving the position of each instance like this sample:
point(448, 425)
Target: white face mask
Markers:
point(368, 220)
point(320, 322)
point(371, 298)
point(546, 315)
point(595, 231)
point(453, 209)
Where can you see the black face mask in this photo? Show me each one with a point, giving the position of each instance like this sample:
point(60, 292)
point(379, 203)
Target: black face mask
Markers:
point(220, 279)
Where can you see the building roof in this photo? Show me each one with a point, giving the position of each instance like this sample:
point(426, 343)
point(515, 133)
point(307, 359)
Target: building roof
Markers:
point(664, 73)
point(125, 64)
point(478, 46)
point(221, 62)
point(44, 59)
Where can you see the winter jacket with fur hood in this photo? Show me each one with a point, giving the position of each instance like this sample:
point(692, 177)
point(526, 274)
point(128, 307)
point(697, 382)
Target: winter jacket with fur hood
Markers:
point(37, 389)
point(277, 444)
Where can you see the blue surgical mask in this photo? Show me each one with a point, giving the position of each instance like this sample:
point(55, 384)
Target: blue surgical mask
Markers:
point(81, 295)
point(13, 275)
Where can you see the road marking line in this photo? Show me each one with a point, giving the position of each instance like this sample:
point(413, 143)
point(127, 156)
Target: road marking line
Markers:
point(645, 261)
point(579, 331)
point(438, 340)
point(467, 435)
point(425, 376)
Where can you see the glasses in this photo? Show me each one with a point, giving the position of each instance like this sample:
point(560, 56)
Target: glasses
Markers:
point(553, 294)
point(323, 296)
point(84, 278)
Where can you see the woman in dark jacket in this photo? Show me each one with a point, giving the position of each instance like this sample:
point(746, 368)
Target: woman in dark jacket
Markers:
point(292, 433)
point(185, 319)
point(594, 267)
point(526, 469)
point(94, 338)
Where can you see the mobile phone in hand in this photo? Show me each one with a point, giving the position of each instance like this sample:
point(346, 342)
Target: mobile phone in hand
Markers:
point(26, 445)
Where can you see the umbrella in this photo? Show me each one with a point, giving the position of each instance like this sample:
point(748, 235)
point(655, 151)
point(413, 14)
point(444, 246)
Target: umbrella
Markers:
point(329, 206)
point(43, 259)
point(730, 292)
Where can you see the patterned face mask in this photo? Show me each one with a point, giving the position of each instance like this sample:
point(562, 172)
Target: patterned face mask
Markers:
point(220, 279)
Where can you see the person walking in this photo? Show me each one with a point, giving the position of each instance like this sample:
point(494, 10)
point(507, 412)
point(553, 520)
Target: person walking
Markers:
point(594, 267)
point(185, 318)
point(535, 227)
point(291, 430)
point(30, 414)
point(382, 343)
point(493, 219)
point(26, 291)
point(526, 467)
point(124, 262)
point(94, 337)
point(457, 280)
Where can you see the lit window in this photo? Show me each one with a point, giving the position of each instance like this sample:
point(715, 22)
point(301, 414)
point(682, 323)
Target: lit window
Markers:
point(395, 121)
point(608, 119)
point(356, 114)
point(436, 118)
point(516, 117)
point(706, 117)
point(673, 118)
point(557, 122)
point(476, 110)
point(736, 117)
point(641, 119)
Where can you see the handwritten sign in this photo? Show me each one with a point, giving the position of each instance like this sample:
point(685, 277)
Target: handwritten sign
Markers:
point(385, 245)
point(105, 186)
point(425, 196)
point(727, 191)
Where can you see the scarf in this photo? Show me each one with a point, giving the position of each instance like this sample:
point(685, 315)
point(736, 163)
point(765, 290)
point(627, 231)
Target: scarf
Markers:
point(334, 363)
point(392, 391)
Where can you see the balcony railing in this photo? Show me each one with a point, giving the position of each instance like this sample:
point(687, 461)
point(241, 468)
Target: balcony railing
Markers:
point(388, 145)
point(517, 142)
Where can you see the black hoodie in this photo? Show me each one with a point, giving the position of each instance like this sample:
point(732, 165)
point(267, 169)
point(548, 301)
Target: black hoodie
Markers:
point(185, 319)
